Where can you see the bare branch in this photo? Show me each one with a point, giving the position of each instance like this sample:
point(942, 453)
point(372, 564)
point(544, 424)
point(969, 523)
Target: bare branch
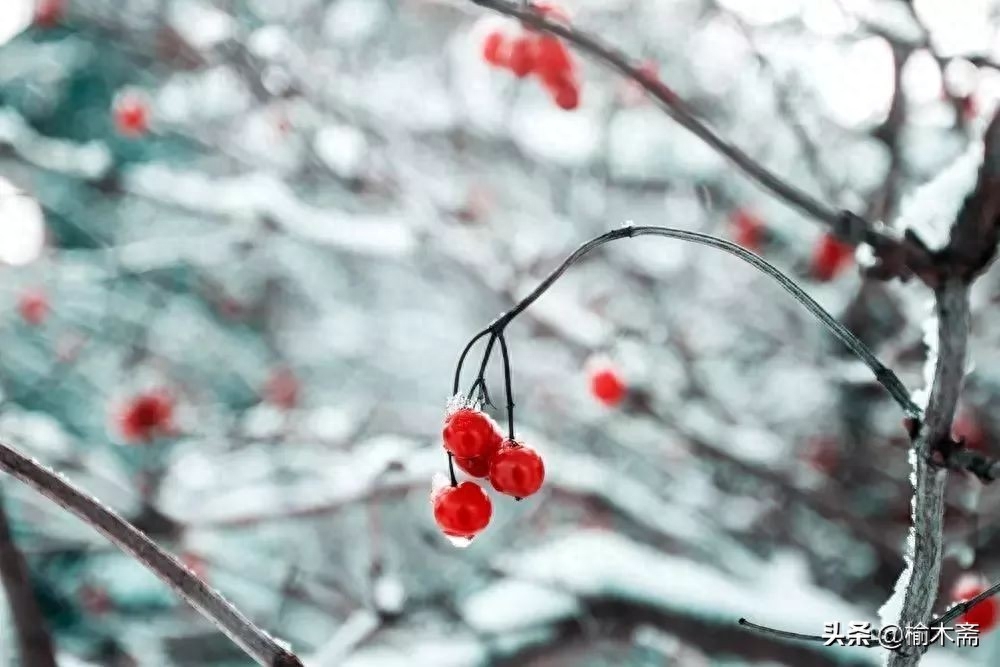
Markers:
point(255, 642)
point(34, 644)
point(924, 566)
point(897, 257)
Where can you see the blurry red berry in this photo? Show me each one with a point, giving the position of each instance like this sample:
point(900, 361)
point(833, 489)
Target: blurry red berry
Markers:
point(607, 386)
point(282, 389)
point(969, 107)
point(146, 416)
point(552, 59)
point(830, 257)
point(195, 563)
point(984, 614)
point(33, 306)
point(517, 470)
point(131, 114)
point(48, 13)
point(521, 58)
point(493, 49)
point(748, 229)
point(463, 510)
point(567, 96)
point(967, 427)
point(822, 454)
point(470, 433)
point(551, 11)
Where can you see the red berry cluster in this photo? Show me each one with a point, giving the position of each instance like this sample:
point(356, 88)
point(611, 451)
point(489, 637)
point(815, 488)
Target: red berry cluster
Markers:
point(985, 614)
point(146, 416)
point(477, 447)
point(830, 257)
point(529, 52)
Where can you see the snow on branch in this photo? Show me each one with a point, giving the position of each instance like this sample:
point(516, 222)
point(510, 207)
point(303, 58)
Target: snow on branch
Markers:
point(256, 643)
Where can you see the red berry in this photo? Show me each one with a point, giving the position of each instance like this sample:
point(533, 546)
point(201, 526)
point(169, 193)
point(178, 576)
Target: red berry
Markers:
point(822, 454)
point(463, 510)
point(282, 389)
point(607, 386)
point(146, 416)
point(967, 428)
point(479, 466)
point(830, 257)
point(493, 49)
point(521, 58)
point(567, 96)
point(48, 13)
point(33, 306)
point(131, 114)
point(470, 433)
point(552, 59)
point(748, 229)
point(969, 107)
point(517, 470)
point(984, 614)
point(550, 11)
point(195, 563)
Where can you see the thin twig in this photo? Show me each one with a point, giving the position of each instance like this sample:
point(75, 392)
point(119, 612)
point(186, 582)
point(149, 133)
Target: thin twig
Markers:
point(885, 376)
point(34, 643)
point(783, 634)
point(255, 642)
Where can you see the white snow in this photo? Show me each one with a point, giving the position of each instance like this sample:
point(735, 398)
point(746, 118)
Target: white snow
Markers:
point(260, 194)
point(200, 23)
point(931, 209)
point(22, 226)
point(509, 605)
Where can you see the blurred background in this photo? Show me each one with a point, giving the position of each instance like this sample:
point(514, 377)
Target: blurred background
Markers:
point(243, 243)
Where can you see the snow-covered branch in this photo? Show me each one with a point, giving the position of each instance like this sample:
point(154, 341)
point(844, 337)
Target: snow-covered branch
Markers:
point(257, 644)
point(917, 588)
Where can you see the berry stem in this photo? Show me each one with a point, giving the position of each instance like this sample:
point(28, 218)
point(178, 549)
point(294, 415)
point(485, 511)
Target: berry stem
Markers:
point(451, 469)
point(507, 387)
point(783, 634)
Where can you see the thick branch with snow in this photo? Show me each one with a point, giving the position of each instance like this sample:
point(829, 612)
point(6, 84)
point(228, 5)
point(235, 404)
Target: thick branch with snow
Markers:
point(256, 643)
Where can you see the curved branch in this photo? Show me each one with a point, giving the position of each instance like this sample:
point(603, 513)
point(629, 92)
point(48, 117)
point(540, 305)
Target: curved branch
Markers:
point(883, 374)
point(255, 642)
point(897, 256)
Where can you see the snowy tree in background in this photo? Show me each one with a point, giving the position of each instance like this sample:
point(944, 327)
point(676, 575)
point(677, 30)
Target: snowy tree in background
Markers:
point(243, 244)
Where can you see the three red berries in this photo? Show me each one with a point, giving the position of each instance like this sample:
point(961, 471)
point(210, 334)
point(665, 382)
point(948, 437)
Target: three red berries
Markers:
point(528, 52)
point(474, 440)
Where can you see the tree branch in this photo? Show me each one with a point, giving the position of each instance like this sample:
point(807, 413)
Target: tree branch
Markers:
point(255, 642)
point(923, 571)
point(34, 644)
point(897, 257)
